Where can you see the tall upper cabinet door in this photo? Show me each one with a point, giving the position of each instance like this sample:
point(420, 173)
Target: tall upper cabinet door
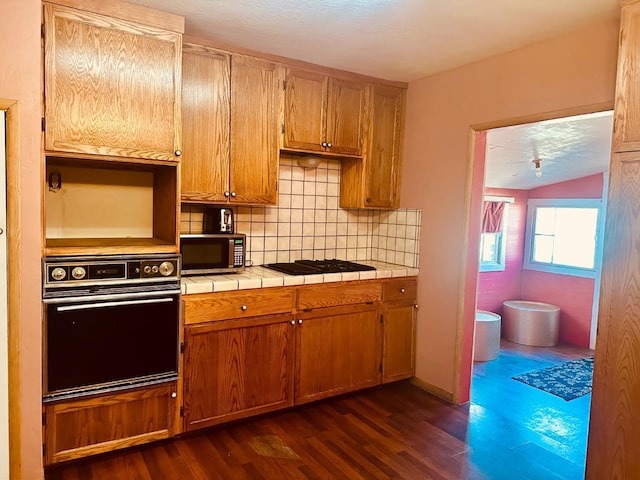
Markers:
point(626, 125)
point(383, 159)
point(205, 124)
point(256, 116)
point(345, 117)
point(112, 87)
point(374, 181)
point(305, 112)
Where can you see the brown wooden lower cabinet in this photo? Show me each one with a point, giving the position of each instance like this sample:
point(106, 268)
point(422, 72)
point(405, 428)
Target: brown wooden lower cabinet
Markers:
point(398, 342)
point(338, 351)
point(82, 427)
point(237, 368)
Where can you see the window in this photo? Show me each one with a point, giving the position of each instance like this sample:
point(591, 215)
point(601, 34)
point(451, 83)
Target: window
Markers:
point(493, 243)
point(562, 236)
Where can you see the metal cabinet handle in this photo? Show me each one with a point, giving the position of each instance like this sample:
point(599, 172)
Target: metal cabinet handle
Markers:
point(178, 153)
point(402, 290)
point(415, 306)
point(226, 194)
point(329, 145)
point(293, 322)
point(323, 144)
point(300, 322)
point(243, 308)
point(233, 194)
point(174, 394)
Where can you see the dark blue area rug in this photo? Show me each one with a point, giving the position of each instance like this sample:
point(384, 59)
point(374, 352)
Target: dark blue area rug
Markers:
point(567, 380)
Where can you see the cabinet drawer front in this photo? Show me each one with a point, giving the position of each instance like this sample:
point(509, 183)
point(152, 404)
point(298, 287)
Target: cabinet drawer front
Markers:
point(401, 289)
point(239, 304)
point(323, 295)
point(79, 428)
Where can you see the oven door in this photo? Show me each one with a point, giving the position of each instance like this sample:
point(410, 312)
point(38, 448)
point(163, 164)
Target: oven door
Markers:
point(106, 342)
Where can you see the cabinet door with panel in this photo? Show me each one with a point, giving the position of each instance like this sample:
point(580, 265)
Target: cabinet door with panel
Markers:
point(256, 115)
point(374, 182)
point(206, 99)
point(399, 329)
point(112, 87)
point(323, 114)
point(237, 368)
point(338, 351)
point(81, 427)
point(626, 124)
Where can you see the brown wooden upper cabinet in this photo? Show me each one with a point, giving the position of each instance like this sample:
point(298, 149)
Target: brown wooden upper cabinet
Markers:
point(374, 181)
point(206, 113)
point(323, 114)
point(112, 86)
point(232, 109)
point(626, 125)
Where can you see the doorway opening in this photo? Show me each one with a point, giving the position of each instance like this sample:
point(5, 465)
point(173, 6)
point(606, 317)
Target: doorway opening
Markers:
point(543, 189)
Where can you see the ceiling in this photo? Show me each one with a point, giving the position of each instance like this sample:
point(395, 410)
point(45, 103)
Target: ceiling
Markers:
point(568, 148)
point(399, 40)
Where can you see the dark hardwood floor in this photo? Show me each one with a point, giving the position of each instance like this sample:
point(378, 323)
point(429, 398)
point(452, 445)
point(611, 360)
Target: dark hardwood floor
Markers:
point(509, 431)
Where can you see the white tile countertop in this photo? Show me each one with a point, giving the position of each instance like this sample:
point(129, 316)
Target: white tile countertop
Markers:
point(261, 277)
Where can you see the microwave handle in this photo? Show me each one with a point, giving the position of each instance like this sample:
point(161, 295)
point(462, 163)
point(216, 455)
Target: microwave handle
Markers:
point(231, 252)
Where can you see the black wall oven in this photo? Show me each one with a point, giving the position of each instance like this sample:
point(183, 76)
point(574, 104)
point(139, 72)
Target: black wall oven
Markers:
point(110, 323)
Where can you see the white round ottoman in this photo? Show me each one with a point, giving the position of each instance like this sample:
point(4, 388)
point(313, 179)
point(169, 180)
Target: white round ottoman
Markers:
point(486, 342)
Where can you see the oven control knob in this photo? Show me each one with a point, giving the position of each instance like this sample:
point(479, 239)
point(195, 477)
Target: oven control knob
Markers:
point(154, 269)
point(166, 269)
point(58, 273)
point(78, 273)
point(147, 269)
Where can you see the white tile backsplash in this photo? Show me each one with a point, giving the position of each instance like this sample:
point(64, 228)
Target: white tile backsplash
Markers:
point(308, 224)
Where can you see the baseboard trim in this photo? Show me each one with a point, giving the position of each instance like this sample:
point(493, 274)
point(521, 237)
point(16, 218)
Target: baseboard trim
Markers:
point(433, 390)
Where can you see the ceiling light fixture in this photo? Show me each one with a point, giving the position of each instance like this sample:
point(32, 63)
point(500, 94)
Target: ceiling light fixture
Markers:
point(536, 162)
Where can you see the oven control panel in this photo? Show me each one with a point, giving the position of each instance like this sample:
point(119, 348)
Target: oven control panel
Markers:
point(61, 271)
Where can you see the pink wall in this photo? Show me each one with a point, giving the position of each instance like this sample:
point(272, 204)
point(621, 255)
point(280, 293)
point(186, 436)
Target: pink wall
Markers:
point(585, 187)
point(574, 295)
point(20, 81)
point(574, 71)
point(496, 287)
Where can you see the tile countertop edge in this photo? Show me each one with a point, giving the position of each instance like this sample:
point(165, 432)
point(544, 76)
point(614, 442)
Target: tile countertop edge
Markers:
point(261, 277)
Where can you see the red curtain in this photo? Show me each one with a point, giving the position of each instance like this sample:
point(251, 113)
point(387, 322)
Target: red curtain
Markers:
point(492, 217)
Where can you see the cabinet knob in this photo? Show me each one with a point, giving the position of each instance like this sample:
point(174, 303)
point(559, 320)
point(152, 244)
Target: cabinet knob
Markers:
point(324, 144)
point(243, 308)
point(174, 394)
point(178, 153)
point(329, 145)
point(293, 322)
point(415, 305)
point(368, 200)
point(300, 322)
point(226, 194)
point(233, 194)
point(402, 290)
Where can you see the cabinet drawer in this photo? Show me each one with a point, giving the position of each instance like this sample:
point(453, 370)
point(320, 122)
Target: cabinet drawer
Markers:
point(400, 289)
point(323, 295)
point(239, 304)
point(82, 427)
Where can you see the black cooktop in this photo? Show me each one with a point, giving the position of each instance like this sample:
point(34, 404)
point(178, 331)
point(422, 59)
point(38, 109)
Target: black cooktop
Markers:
point(309, 267)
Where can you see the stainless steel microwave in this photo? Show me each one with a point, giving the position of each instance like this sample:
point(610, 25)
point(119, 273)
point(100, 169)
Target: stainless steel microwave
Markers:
point(207, 253)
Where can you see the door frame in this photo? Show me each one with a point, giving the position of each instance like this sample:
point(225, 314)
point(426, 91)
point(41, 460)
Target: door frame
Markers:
point(473, 196)
point(11, 108)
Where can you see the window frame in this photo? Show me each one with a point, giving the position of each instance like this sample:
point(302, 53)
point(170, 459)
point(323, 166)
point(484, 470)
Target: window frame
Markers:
point(529, 264)
point(501, 264)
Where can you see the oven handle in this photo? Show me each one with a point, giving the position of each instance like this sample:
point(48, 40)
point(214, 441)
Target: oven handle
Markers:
point(112, 296)
point(123, 303)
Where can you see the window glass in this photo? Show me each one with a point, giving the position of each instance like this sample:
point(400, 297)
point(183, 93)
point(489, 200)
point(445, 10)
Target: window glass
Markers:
point(562, 238)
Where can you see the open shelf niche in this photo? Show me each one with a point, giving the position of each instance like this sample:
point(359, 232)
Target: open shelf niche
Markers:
point(105, 207)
